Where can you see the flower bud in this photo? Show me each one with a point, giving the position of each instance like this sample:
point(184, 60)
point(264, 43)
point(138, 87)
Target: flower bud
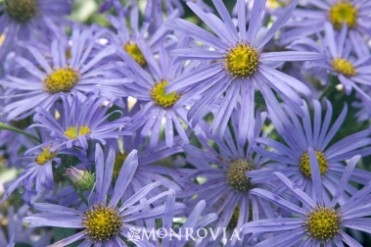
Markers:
point(82, 179)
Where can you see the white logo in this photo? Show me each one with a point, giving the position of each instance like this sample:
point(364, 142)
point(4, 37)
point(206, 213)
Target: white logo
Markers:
point(184, 234)
point(134, 234)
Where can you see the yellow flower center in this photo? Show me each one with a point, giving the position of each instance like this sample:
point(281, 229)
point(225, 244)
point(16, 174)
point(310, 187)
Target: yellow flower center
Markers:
point(45, 156)
point(241, 61)
point(161, 98)
point(102, 223)
point(236, 177)
point(119, 161)
point(343, 12)
point(343, 66)
point(21, 10)
point(305, 164)
point(74, 132)
point(323, 224)
point(135, 53)
point(61, 80)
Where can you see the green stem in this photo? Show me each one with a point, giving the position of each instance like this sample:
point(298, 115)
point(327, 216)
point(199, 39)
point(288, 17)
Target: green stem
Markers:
point(17, 130)
point(333, 81)
point(326, 92)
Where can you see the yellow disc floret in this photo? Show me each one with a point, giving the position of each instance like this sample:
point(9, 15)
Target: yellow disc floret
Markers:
point(305, 164)
point(135, 53)
point(74, 132)
point(343, 66)
point(61, 80)
point(343, 12)
point(241, 61)
point(161, 98)
point(21, 10)
point(236, 177)
point(45, 156)
point(323, 224)
point(102, 223)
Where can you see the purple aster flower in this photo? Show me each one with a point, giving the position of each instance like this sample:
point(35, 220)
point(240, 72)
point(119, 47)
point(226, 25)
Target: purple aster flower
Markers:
point(37, 164)
point(352, 70)
point(22, 19)
point(107, 220)
point(291, 157)
point(158, 106)
point(238, 65)
point(355, 14)
point(220, 176)
point(315, 220)
point(80, 121)
point(74, 69)
point(38, 171)
point(126, 38)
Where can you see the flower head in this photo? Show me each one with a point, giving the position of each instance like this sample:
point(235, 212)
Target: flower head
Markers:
point(105, 220)
point(64, 69)
point(312, 219)
point(236, 65)
point(313, 131)
point(27, 19)
point(159, 107)
point(79, 121)
point(219, 177)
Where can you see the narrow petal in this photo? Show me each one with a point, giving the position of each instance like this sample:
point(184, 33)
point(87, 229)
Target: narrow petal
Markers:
point(299, 193)
point(54, 220)
point(282, 19)
point(316, 176)
point(344, 179)
point(290, 56)
point(277, 200)
point(126, 174)
point(69, 240)
point(272, 225)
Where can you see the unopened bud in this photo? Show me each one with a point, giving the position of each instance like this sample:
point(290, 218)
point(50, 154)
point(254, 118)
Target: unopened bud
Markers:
point(82, 179)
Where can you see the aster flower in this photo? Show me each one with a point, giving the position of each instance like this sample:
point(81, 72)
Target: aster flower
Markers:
point(354, 14)
point(315, 221)
point(157, 104)
point(79, 122)
point(106, 220)
point(290, 156)
point(38, 171)
point(238, 65)
point(72, 69)
point(21, 19)
point(126, 37)
point(352, 70)
point(220, 178)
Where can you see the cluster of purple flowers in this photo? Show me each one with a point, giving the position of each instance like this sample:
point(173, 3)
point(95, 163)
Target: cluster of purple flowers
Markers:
point(247, 121)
